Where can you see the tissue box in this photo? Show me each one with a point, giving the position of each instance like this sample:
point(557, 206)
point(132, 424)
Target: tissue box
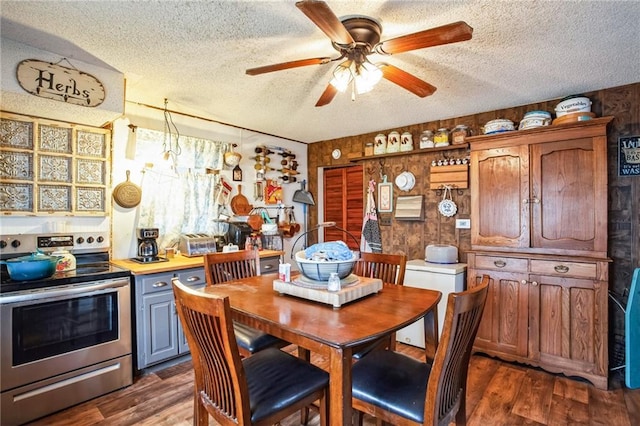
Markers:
point(441, 253)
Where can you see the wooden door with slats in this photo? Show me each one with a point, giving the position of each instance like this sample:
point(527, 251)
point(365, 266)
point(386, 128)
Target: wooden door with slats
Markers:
point(344, 204)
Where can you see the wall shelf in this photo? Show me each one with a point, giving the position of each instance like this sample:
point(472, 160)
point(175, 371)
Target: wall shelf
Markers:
point(456, 176)
point(413, 152)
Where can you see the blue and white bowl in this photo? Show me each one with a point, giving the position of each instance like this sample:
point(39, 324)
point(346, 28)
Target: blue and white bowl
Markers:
point(321, 270)
point(533, 119)
point(497, 126)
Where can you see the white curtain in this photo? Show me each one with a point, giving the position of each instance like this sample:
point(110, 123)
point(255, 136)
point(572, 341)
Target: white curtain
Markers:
point(178, 193)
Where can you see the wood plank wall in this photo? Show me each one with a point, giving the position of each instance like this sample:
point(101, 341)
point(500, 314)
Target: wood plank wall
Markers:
point(622, 102)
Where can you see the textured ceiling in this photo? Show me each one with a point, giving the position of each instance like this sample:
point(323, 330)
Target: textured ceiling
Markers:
point(195, 54)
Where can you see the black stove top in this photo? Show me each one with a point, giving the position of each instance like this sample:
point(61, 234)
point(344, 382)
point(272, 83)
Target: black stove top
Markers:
point(89, 268)
point(91, 250)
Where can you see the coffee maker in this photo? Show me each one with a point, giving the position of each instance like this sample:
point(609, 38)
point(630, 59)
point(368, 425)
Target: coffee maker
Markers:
point(147, 246)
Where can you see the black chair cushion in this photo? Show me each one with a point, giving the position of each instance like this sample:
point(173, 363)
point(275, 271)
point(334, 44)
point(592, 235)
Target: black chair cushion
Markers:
point(276, 378)
point(254, 340)
point(393, 381)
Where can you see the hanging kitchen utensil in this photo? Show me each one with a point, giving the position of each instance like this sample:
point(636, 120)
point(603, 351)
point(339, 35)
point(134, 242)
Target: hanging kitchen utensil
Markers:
point(306, 198)
point(239, 204)
point(303, 196)
point(447, 207)
point(222, 192)
point(232, 158)
point(258, 191)
point(295, 227)
point(127, 194)
point(283, 222)
point(255, 220)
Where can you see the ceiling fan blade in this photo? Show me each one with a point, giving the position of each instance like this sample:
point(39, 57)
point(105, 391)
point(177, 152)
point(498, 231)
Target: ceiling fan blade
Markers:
point(406, 80)
point(327, 96)
point(321, 15)
point(287, 65)
point(451, 33)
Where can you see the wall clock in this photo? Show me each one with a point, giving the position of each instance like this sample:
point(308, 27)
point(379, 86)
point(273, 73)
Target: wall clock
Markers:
point(336, 153)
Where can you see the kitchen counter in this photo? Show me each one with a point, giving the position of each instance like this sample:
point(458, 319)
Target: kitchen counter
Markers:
point(177, 263)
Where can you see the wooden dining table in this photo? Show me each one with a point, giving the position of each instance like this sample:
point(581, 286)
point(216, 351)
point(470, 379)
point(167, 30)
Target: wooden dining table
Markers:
point(332, 332)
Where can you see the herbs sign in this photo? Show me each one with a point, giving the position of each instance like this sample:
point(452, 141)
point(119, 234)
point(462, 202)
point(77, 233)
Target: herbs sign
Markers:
point(53, 81)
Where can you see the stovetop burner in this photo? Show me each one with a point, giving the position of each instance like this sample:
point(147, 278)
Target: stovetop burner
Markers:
point(82, 274)
point(149, 259)
point(90, 249)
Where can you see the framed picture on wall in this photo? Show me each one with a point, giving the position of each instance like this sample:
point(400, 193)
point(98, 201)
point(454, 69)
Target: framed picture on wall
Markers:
point(272, 192)
point(385, 196)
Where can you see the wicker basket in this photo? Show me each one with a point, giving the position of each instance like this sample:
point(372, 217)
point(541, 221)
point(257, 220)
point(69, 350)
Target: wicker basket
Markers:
point(320, 270)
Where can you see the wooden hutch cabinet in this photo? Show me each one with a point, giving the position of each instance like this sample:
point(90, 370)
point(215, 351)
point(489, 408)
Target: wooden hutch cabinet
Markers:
point(539, 230)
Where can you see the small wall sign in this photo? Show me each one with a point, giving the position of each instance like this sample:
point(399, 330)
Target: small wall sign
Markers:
point(53, 81)
point(629, 156)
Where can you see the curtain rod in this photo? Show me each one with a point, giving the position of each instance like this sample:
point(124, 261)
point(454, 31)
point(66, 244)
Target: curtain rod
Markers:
point(212, 121)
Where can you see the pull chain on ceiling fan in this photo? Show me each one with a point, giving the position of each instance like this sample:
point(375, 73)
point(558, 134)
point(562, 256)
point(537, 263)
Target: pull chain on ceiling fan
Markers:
point(355, 38)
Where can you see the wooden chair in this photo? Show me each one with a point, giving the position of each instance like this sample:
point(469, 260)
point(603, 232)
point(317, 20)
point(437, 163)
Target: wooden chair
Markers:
point(401, 390)
point(223, 267)
point(260, 390)
point(390, 268)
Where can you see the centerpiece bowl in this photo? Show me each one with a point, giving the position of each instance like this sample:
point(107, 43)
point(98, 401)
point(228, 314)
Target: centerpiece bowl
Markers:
point(320, 270)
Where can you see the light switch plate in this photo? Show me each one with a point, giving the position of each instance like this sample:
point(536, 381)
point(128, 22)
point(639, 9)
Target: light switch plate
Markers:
point(463, 223)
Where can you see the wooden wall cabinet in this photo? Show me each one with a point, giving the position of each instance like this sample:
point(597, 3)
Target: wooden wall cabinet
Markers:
point(542, 190)
point(539, 230)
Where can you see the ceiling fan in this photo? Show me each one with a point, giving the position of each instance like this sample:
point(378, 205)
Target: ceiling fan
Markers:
point(357, 37)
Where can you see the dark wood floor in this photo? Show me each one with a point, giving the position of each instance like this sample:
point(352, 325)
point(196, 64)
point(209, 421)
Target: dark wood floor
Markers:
point(499, 393)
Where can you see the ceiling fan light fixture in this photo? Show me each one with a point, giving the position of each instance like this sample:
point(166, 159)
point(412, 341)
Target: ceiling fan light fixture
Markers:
point(364, 76)
point(367, 75)
point(342, 76)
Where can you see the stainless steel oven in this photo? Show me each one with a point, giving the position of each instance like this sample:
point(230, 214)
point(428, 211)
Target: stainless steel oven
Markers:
point(64, 339)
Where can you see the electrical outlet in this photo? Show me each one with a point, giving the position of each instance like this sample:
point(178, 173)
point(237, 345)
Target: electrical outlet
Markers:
point(384, 220)
point(463, 223)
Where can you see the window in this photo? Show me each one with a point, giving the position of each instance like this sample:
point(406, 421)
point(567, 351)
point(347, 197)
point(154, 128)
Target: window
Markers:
point(178, 192)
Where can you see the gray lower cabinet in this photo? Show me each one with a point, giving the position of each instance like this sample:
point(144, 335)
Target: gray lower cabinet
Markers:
point(269, 265)
point(159, 335)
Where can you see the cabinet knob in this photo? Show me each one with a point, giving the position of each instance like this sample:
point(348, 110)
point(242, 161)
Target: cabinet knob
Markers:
point(561, 269)
point(267, 267)
point(534, 283)
point(523, 282)
point(525, 201)
point(500, 263)
point(158, 284)
point(193, 279)
point(536, 200)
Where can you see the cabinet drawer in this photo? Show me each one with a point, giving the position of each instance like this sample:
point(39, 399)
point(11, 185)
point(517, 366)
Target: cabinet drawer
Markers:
point(560, 268)
point(269, 265)
point(502, 263)
point(193, 277)
point(156, 282)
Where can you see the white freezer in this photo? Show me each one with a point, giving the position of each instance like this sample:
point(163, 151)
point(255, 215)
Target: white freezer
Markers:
point(446, 278)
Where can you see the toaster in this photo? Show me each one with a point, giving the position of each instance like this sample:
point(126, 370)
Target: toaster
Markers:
point(192, 245)
point(440, 253)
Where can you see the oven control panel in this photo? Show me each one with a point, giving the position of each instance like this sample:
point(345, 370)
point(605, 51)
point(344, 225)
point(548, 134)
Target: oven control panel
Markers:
point(76, 242)
point(55, 241)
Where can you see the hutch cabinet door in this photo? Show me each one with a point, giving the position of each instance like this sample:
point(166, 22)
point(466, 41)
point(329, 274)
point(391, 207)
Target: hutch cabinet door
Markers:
point(568, 186)
point(500, 197)
point(567, 326)
point(504, 326)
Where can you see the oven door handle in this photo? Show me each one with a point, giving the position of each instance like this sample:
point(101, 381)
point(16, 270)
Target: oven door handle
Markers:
point(66, 291)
